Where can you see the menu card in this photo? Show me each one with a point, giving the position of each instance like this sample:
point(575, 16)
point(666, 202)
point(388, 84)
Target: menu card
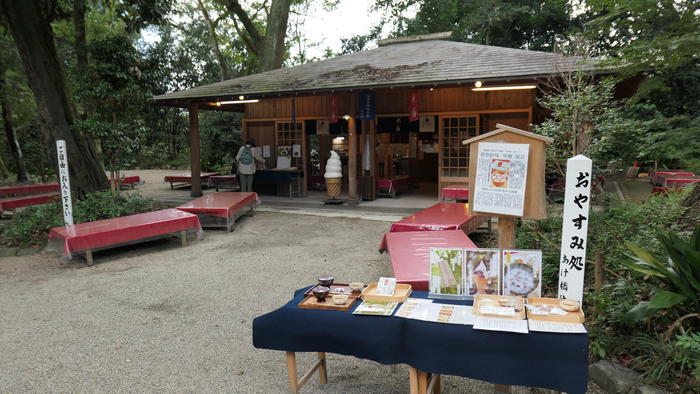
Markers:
point(375, 308)
point(498, 324)
point(439, 313)
point(551, 326)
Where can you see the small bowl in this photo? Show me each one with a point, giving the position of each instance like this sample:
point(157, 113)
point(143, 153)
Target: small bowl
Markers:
point(357, 286)
point(326, 281)
point(340, 299)
point(569, 305)
point(321, 292)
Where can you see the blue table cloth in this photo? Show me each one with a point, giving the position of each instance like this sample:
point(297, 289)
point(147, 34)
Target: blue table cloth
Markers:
point(547, 360)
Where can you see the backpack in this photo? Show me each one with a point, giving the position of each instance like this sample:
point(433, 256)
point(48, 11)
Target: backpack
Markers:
point(246, 156)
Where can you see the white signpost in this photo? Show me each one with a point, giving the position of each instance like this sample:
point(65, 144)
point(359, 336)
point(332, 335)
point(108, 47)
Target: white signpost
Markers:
point(577, 199)
point(64, 180)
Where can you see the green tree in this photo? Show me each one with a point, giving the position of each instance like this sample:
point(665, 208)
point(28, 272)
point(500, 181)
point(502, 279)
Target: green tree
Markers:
point(507, 23)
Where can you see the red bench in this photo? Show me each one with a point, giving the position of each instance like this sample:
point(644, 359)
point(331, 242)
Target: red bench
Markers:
point(409, 253)
point(459, 193)
point(391, 186)
point(441, 216)
point(221, 209)
point(110, 233)
point(20, 190)
point(25, 201)
point(659, 177)
point(185, 178)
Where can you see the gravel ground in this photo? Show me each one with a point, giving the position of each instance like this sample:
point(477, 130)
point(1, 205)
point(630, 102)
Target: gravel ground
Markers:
point(160, 318)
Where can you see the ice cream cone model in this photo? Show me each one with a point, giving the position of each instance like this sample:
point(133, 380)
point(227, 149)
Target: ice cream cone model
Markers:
point(333, 175)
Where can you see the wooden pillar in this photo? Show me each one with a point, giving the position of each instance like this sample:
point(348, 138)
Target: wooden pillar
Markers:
point(195, 156)
point(352, 161)
point(506, 232)
point(372, 144)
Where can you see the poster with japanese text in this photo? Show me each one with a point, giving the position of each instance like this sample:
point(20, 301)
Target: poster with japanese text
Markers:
point(577, 195)
point(483, 271)
point(501, 175)
point(522, 273)
point(447, 276)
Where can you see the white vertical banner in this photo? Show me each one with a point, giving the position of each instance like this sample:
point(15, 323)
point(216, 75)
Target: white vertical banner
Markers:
point(64, 181)
point(574, 232)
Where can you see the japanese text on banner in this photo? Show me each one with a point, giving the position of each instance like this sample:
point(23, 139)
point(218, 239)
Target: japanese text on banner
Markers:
point(572, 261)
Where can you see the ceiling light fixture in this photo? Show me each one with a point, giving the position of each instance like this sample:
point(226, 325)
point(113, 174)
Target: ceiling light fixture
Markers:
point(346, 117)
point(241, 97)
point(239, 101)
point(513, 87)
point(478, 84)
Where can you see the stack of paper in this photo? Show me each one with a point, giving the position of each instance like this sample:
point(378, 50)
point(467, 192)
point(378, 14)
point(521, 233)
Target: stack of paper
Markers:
point(499, 324)
point(426, 310)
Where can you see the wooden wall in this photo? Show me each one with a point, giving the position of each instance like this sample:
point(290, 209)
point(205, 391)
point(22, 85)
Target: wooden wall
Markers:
point(393, 101)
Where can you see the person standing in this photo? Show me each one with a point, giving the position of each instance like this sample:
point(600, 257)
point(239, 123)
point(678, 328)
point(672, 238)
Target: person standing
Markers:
point(246, 159)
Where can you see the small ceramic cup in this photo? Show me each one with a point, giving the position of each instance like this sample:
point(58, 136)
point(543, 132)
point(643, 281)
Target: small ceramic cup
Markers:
point(326, 281)
point(340, 299)
point(357, 286)
point(321, 292)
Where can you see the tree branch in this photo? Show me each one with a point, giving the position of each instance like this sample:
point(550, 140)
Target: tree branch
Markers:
point(235, 8)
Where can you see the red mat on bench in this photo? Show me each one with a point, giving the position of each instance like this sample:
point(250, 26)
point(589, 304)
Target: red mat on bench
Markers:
point(454, 193)
point(111, 232)
point(25, 201)
point(221, 204)
point(659, 177)
point(396, 184)
point(187, 177)
point(441, 216)
point(409, 253)
point(29, 189)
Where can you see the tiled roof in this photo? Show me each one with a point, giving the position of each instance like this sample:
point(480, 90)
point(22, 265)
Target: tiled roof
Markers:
point(404, 64)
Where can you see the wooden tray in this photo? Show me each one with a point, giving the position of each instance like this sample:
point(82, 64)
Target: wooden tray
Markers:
point(517, 301)
point(401, 293)
point(570, 317)
point(310, 302)
point(336, 289)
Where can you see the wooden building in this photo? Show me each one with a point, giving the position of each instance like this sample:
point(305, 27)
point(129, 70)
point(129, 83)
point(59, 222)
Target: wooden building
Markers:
point(427, 95)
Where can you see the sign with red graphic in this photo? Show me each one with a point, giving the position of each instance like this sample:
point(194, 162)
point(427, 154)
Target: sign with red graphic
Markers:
point(333, 116)
point(413, 106)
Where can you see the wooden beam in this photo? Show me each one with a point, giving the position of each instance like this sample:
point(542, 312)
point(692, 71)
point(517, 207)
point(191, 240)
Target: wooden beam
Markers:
point(195, 154)
point(352, 161)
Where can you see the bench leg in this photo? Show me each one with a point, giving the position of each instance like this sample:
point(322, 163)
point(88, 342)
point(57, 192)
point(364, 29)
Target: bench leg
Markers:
point(423, 382)
point(88, 256)
point(183, 238)
point(292, 372)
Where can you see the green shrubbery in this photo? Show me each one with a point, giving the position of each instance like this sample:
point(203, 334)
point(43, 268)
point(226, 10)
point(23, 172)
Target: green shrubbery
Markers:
point(665, 359)
point(31, 225)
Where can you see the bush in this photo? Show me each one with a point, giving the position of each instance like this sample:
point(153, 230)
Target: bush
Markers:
point(31, 225)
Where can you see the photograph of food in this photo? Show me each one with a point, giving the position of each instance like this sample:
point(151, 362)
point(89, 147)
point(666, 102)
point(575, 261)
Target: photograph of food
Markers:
point(522, 273)
point(499, 173)
point(484, 271)
point(446, 273)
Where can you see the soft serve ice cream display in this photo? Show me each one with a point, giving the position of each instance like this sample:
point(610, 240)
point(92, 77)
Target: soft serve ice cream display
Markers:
point(333, 175)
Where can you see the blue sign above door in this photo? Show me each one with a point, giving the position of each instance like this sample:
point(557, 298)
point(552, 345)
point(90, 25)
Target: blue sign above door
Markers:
point(367, 106)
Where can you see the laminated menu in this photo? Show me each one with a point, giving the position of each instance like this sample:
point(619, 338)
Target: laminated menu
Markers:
point(439, 313)
point(447, 275)
point(498, 324)
point(375, 308)
point(522, 273)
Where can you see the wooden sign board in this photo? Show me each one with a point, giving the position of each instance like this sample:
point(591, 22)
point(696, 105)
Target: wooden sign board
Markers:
point(535, 200)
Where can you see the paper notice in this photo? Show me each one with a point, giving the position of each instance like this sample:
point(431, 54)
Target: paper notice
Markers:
point(550, 326)
point(266, 151)
point(498, 324)
point(438, 313)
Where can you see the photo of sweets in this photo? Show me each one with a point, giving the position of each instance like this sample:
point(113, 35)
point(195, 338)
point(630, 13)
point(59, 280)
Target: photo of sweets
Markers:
point(484, 271)
point(446, 271)
point(522, 273)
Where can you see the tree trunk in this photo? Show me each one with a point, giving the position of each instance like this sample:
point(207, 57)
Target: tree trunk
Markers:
point(34, 40)
point(22, 174)
point(273, 45)
point(214, 40)
point(79, 27)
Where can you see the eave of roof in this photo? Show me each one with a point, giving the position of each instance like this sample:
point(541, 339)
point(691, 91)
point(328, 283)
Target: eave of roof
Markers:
point(423, 63)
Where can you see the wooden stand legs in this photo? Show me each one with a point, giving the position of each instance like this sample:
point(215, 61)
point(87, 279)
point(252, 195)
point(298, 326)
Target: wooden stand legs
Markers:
point(296, 384)
point(423, 382)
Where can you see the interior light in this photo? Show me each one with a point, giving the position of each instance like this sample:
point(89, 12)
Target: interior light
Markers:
point(346, 117)
point(240, 101)
point(513, 87)
point(477, 84)
point(241, 97)
point(432, 89)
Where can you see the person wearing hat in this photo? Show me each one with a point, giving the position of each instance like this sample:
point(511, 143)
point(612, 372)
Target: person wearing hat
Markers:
point(245, 160)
